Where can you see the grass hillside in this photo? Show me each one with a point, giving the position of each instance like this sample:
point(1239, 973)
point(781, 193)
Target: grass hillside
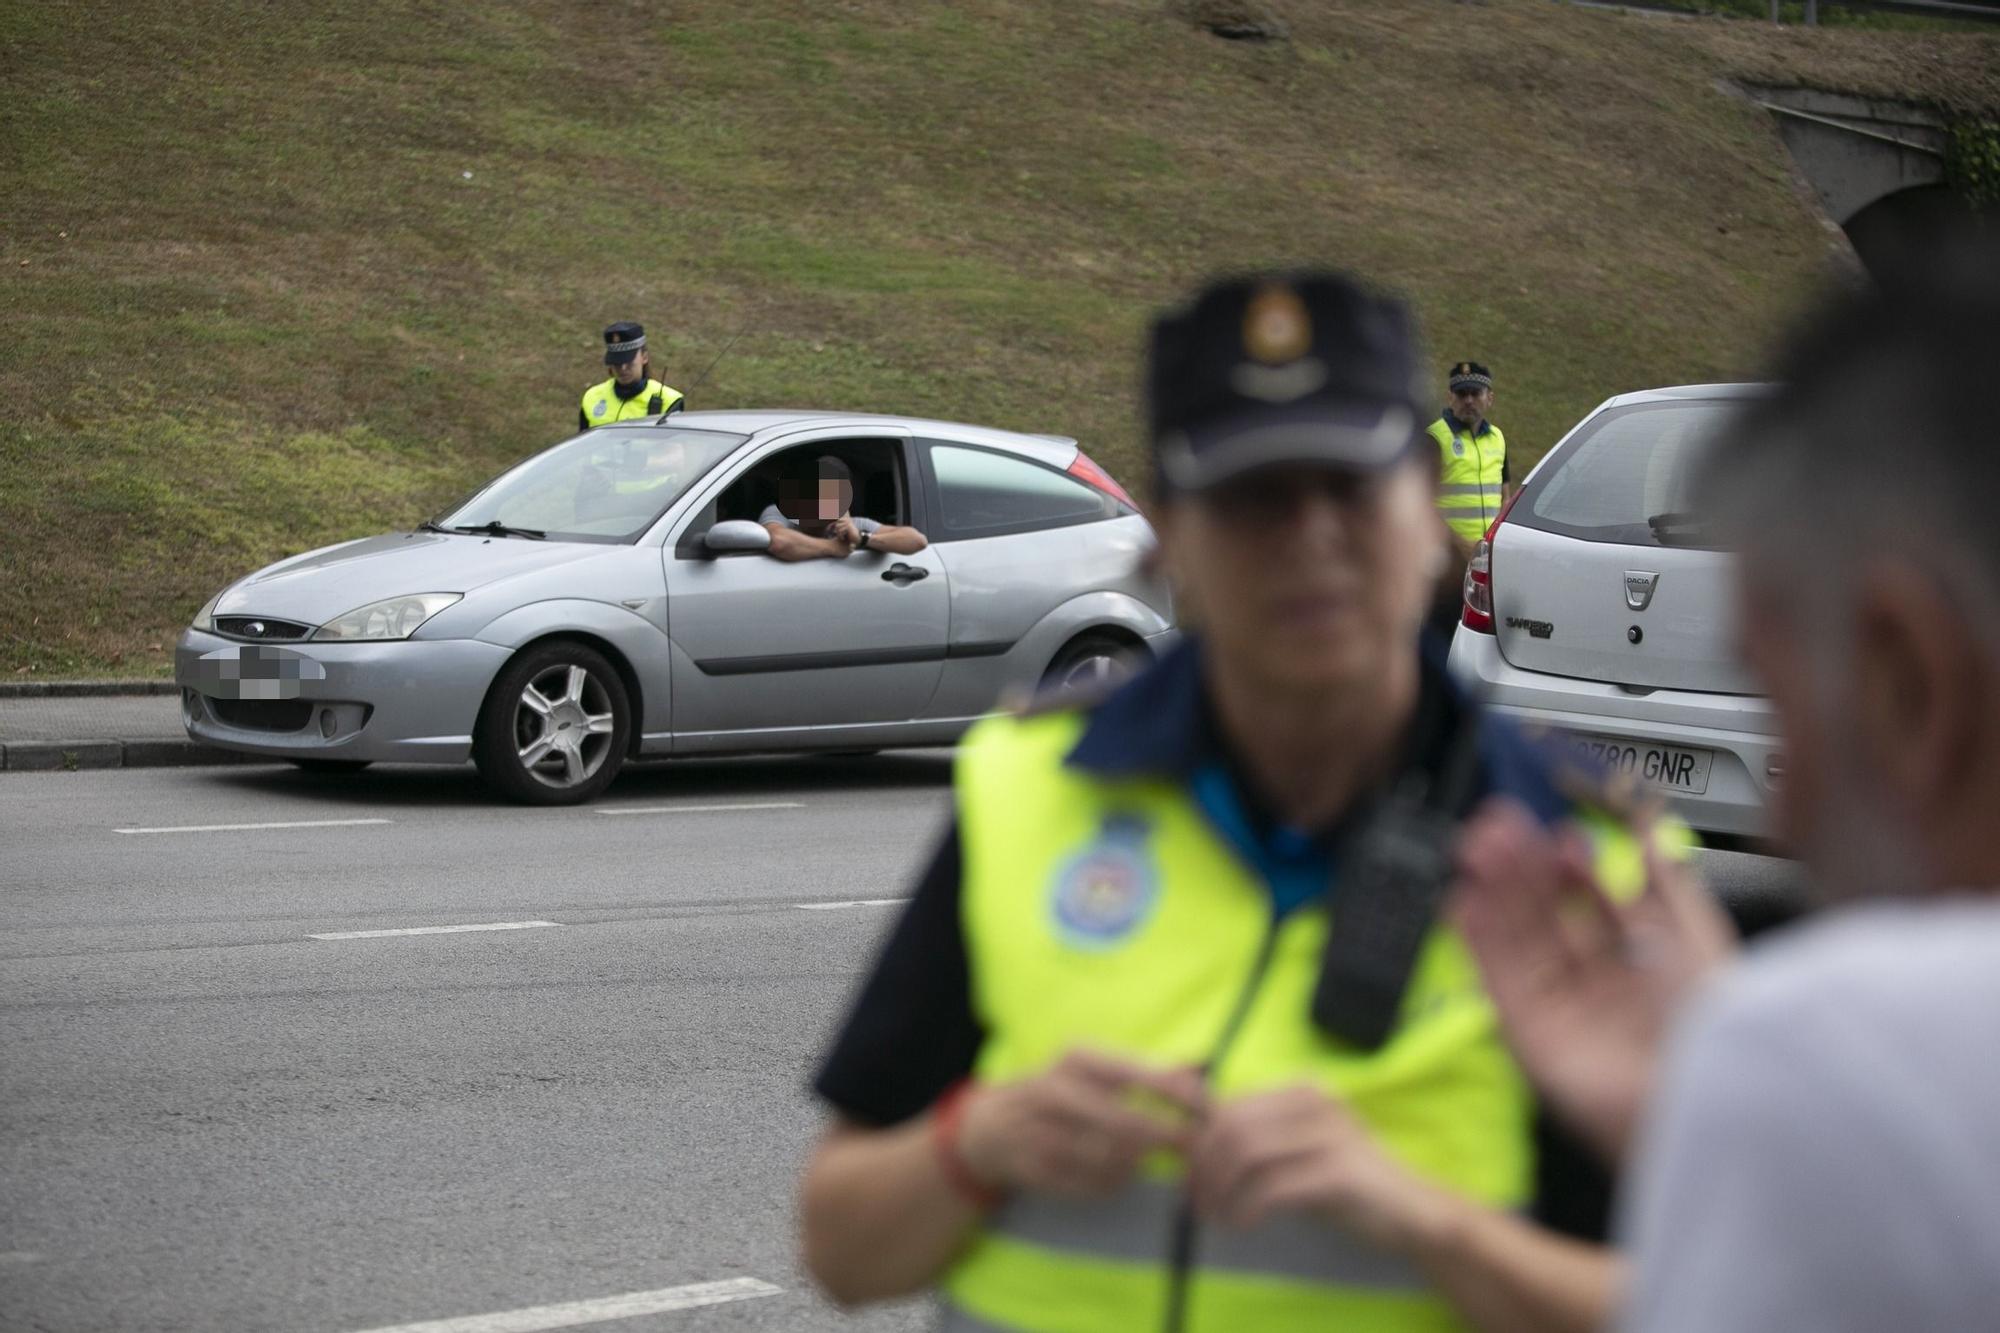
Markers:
point(282, 274)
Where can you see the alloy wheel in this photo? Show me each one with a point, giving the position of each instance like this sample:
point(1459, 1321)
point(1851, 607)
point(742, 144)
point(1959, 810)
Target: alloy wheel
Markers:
point(1092, 672)
point(563, 726)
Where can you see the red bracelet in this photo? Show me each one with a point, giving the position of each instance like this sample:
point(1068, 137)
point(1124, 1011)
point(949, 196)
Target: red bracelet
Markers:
point(946, 1117)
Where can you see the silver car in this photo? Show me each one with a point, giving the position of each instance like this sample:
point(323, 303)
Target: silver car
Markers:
point(611, 597)
point(1598, 607)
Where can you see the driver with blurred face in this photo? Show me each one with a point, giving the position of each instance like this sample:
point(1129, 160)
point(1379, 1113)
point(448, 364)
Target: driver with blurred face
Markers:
point(811, 520)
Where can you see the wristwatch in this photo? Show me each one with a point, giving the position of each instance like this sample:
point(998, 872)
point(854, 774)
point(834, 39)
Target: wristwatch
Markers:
point(862, 545)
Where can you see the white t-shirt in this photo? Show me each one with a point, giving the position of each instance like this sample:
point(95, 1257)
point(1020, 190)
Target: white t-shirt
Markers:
point(1826, 1155)
point(773, 514)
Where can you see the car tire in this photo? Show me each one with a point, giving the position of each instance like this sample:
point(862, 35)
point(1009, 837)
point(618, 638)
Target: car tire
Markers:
point(1092, 665)
point(556, 726)
point(332, 765)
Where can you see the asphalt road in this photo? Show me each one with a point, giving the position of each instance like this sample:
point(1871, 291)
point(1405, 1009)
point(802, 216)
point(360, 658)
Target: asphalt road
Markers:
point(211, 1120)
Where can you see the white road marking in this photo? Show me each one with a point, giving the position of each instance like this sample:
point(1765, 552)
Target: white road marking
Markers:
point(850, 902)
point(569, 1314)
point(696, 809)
point(235, 828)
point(431, 930)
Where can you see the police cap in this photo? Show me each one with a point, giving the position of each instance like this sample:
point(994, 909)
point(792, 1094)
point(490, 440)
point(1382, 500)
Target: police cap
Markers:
point(623, 341)
point(1470, 375)
point(1294, 367)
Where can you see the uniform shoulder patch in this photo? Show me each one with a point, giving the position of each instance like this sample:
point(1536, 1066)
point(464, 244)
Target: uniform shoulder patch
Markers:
point(1106, 891)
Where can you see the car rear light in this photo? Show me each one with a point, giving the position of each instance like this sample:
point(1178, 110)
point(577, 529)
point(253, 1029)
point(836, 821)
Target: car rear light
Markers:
point(1478, 612)
point(1086, 470)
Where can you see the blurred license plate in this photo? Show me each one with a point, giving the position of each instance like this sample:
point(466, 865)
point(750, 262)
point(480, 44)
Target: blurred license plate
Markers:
point(254, 671)
point(1671, 768)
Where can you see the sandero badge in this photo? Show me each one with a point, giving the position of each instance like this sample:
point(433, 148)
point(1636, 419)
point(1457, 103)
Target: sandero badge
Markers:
point(1537, 629)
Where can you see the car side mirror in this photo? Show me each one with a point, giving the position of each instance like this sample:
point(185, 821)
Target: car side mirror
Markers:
point(736, 536)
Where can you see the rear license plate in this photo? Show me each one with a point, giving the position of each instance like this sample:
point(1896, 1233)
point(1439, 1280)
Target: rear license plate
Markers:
point(1669, 768)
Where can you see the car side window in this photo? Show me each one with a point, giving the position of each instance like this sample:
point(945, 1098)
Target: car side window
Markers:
point(880, 492)
point(983, 493)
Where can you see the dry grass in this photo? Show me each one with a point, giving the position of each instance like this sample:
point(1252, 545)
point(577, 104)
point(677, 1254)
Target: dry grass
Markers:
point(253, 303)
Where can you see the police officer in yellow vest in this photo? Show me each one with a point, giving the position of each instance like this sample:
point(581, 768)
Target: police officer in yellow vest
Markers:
point(1172, 1035)
point(1474, 452)
point(630, 392)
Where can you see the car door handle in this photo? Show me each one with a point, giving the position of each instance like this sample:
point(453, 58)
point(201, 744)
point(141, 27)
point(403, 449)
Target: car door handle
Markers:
point(900, 573)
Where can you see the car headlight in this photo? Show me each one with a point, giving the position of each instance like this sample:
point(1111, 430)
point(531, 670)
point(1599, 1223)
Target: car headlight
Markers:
point(392, 618)
point(204, 619)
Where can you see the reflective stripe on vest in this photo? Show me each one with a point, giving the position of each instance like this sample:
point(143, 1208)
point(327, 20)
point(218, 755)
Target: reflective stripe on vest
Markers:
point(602, 405)
point(1128, 1228)
point(1471, 490)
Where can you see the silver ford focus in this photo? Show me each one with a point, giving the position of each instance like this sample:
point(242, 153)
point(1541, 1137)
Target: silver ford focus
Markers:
point(616, 596)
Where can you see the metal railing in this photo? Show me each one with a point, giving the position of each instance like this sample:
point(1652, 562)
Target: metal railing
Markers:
point(1967, 9)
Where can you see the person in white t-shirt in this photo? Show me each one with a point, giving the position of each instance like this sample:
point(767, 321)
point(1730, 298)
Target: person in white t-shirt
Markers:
point(811, 520)
point(1817, 1130)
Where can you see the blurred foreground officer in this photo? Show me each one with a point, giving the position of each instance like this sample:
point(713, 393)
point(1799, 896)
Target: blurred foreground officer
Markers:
point(1474, 453)
point(1113, 1071)
point(630, 392)
point(1823, 1149)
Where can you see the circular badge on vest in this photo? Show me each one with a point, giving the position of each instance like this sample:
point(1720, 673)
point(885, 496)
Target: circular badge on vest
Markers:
point(1457, 447)
point(598, 411)
point(1104, 892)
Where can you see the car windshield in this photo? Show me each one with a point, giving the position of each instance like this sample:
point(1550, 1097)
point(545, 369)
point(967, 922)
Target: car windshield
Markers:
point(607, 486)
point(1626, 477)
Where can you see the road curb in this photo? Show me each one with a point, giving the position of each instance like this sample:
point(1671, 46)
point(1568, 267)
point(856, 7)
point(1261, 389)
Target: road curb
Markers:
point(70, 756)
point(83, 689)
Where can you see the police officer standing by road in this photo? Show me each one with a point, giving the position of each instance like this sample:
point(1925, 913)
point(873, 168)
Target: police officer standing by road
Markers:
point(631, 391)
point(1170, 1036)
point(1474, 477)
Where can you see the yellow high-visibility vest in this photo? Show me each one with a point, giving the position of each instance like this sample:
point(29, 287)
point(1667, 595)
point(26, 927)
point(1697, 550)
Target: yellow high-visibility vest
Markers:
point(1469, 492)
point(602, 405)
point(1109, 913)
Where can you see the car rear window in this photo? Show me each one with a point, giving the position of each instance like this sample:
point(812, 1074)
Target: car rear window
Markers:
point(986, 494)
point(1626, 476)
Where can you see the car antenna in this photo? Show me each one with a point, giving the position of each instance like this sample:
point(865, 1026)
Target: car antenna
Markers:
point(718, 357)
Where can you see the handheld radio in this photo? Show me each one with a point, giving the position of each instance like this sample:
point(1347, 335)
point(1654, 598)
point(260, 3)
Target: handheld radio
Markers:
point(1394, 873)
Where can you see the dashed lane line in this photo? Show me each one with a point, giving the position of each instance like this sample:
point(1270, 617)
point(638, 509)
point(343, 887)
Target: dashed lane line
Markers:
point(432, 930)
point(238, 828)
point(571, 1314)
point(697, 809)
point(353, 823)
point(849, 902)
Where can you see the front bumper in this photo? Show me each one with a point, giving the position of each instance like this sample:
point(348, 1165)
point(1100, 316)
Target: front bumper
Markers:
point(408, 701)
point(1740, 729)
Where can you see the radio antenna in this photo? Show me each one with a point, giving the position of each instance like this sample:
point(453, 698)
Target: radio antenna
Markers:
point(718, 357)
